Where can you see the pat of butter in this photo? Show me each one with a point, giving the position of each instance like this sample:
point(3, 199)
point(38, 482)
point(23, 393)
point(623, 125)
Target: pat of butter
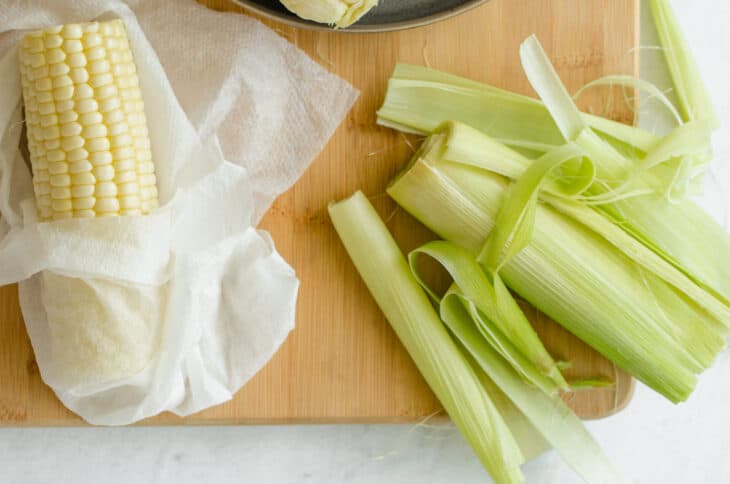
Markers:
point(341, 13)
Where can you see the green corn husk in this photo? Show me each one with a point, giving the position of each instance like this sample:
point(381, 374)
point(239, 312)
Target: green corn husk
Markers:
point(515, 219)
point(694, 102)
point(680, 232)
point(468, 146)
point(531, 441)
point(503, 417)
point(421, 99)
point(386, 273)
point(495, 313)
point(653, 330)
point(547, 415)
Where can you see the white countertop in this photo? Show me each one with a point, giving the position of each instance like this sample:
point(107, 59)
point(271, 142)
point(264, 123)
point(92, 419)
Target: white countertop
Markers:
point(651, 441)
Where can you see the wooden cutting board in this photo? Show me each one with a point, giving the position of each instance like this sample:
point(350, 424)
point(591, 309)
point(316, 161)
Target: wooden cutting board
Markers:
point(343, 363)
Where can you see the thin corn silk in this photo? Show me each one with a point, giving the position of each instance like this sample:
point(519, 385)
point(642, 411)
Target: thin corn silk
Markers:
point(636, 83)
point(685, 141)
point(687, 148)
point(176, 310)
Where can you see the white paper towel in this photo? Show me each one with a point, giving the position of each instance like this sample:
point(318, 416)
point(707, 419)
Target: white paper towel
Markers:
point(235, 115)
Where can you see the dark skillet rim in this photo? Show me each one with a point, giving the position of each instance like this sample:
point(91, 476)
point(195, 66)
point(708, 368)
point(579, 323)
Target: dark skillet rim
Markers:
point(293, 21)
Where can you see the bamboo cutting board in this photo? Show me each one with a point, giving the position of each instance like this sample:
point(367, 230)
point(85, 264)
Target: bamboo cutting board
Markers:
point(343, 363)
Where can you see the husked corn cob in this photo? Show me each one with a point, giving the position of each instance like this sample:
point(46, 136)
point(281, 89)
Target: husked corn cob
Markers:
point(87, 131)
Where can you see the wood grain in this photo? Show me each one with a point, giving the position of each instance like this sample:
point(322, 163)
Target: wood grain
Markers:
point(343, 363)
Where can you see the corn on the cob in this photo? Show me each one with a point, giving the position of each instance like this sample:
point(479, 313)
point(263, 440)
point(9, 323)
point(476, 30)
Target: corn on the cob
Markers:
point(87, 131)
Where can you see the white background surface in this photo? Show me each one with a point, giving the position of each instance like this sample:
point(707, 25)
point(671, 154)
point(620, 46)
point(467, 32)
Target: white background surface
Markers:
point(652, 441)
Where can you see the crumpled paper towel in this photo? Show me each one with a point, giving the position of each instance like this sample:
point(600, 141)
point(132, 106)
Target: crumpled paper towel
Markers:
point(235, 116)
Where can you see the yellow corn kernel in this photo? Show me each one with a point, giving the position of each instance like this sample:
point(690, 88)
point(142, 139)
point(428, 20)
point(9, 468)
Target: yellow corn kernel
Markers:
point(46, 108)
point(107, 190)
point(116, 116)
point(42, 97)
point(92, 39)
point(87, 106)
point(72, 31)
point(63, 106)
point(81, 179)
point(55, 155)
point(99, 52)
point(39, 72)
point(125, 164)
point(79, 75)
point(62, 81)
point(101, 158)
point(84, 91)
point(49, 120)
point(72, 46)
point(60, 69)
point(60, 180)
point(71, 143)
point(53, 144)
point(94, 131)
point(60, 193)
point(90, 27)
point(76, 60)
point(84, 203)
point(97, 144)
point(88, 119)
point(68, 116)
point(33, 45)
point(71, 129)
point(58, 168)
point(52, 41)
point(107, 205)
point(54, 56)
point(81, 166)
point(121, 141)
point(78, 154)
point(104, 173)
point(125, 177)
